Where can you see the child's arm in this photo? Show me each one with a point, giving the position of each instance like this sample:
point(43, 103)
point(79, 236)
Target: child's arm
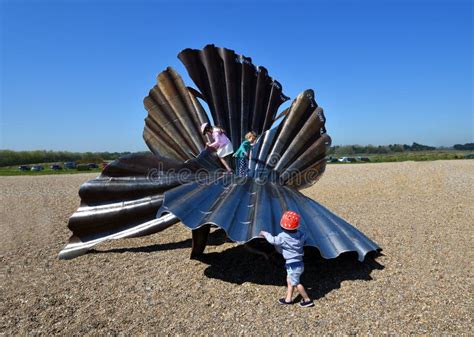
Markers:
point(217, 140)
point(274, 240)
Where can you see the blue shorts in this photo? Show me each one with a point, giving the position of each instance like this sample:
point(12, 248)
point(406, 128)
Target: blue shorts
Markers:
point(294, 271)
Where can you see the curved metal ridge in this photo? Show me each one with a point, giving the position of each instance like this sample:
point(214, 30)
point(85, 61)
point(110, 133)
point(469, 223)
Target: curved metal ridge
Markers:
point(294, 152)
point(244, 207)
point(241, 96)
point(122, 202)
point(172, 127)
point(78, 246)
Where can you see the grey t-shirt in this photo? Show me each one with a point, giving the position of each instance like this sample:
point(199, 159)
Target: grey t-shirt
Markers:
point(290, 245)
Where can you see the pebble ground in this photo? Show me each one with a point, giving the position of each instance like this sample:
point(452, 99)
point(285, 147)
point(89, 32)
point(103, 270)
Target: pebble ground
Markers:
point(420, 213)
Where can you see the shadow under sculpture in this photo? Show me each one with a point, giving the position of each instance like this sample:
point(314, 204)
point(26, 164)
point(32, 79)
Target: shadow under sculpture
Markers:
point(181, 180)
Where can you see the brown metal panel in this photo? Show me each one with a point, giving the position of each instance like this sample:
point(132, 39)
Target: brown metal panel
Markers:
point(291, 124)
point(162, 127)
point(177, 102)
point(314, 153)
point(307, 135)
point(164, 114)
point(160, 142)
point(308, 176)
point(174, 118)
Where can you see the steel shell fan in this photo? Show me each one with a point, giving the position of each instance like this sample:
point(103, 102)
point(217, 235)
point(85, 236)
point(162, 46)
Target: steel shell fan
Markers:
point(182, 180)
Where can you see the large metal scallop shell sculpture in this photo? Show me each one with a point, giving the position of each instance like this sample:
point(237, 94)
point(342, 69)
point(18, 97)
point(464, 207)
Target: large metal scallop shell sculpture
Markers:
point(181, 180)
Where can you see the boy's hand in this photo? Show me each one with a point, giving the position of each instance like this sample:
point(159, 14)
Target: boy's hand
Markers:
point(261, 233)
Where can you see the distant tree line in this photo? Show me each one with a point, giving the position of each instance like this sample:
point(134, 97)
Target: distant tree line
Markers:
point(10, 158)
point(465, 147)
point(391, 148)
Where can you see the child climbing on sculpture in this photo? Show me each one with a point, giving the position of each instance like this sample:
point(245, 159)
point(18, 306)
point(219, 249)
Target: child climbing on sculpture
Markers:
point(243, 154)
point(221, 143)
point(290, 243)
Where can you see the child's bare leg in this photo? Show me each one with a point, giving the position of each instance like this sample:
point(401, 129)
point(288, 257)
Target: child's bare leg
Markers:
point(302, 292)
point(289, 291)
point(224, 162)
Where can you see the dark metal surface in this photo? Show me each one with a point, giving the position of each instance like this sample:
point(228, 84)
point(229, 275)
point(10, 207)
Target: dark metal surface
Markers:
point(123, 200)
point(241, 96)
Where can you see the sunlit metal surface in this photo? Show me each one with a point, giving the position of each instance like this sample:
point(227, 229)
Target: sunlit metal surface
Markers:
point(244, 207)
point(294, 152)
point(142, 194)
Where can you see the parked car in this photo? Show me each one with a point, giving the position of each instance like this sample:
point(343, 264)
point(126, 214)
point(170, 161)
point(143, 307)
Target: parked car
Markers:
point(56, 167)
point(70, 165)
point(364, 159)
point(24, 168)
point(37, 168)
point(93, 165)
point(83, 167)
point(347, 160)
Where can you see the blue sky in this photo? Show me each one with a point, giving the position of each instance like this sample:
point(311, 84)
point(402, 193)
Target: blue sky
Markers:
point(74, 73)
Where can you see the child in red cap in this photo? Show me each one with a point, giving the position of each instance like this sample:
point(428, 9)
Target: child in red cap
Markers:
point(290, 243)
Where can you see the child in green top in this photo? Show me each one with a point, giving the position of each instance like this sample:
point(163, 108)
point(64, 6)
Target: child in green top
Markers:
point(243, 153)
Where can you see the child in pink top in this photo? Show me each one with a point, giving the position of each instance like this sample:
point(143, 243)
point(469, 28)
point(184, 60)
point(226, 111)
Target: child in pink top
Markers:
point(221, 143)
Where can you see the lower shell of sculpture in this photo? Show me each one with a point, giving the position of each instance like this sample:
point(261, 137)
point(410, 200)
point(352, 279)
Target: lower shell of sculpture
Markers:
point(241, 206)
